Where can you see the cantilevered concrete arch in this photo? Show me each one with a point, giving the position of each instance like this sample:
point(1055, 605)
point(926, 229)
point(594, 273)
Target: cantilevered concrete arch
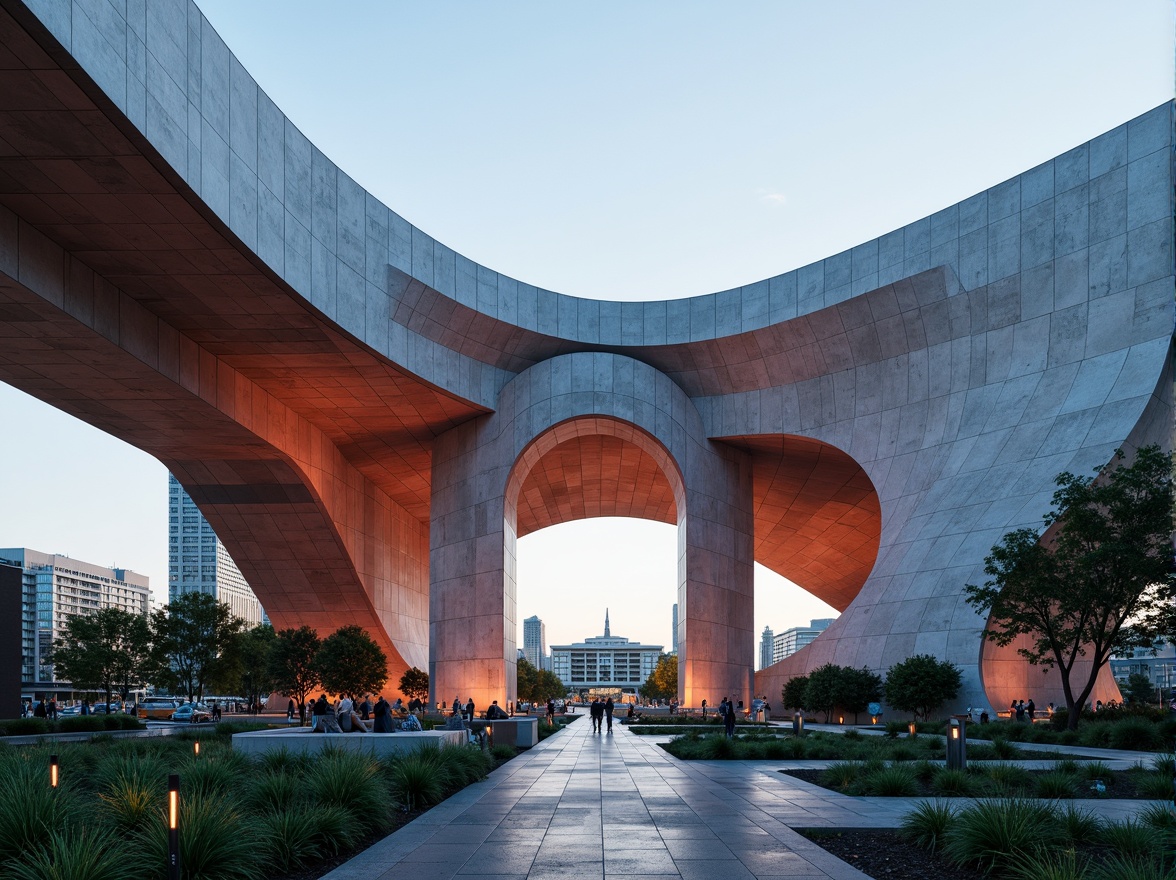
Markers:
point(180, 266)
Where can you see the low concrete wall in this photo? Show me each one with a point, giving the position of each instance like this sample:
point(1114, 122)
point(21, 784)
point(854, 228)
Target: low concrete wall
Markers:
point(301, 740)
point(521, 731)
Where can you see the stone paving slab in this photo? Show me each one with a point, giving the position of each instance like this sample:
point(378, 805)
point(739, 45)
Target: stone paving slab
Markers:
point(602, 806)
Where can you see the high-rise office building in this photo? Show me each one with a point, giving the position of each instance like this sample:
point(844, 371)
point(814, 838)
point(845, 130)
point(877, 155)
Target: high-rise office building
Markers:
point(199, 562)
point(55, 588)
point(674, 631)
point(792, 640)
point(535, 642)
point(767, 645)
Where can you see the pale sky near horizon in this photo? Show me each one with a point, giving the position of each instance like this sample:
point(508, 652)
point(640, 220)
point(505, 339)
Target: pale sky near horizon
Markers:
point(630, 151)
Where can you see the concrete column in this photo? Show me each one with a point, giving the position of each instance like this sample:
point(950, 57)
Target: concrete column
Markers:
point(478, 469)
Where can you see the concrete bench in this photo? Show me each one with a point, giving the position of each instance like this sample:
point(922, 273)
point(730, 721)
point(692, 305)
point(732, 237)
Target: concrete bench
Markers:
point(300, 740)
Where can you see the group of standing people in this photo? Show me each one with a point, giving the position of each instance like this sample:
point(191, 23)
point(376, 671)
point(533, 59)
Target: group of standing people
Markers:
point(1022, 711)
point(601, 713)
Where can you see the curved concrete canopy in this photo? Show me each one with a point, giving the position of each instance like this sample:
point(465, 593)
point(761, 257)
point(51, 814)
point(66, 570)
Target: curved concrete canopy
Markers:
point(181, 267)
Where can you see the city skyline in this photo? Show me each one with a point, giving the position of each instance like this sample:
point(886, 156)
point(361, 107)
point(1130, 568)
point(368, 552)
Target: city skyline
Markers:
point(722, 212)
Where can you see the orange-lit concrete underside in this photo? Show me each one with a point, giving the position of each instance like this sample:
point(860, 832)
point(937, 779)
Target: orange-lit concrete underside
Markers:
point(125, 302)
point(817, 516)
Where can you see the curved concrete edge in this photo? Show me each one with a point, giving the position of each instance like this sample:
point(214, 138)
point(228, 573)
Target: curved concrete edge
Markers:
point(164, 66)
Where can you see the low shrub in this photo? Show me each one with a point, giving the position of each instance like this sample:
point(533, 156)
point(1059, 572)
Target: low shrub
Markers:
point(1078, 825)
point(88, 854)
point(1129, 837)
point(304, 834)
point(1054, 785)
point(276, 792)
point(345, 780)
point(503, 752)
point(953, 783)
point(80, 723)
point(1135, 734)
point(216, 842)
point(993, 835)
point(1092, 770)
point(415, 781)
point(1003, 749)
point(1051, 865)
point(1154, 787)
point(30, 810)
point(1119, 867)
point(895, 781)
point(927, 824)
point(1158, 816)
point(841, 775)
point(24, 726)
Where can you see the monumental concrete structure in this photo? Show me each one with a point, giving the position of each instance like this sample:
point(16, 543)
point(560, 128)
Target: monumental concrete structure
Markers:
point(370, 420)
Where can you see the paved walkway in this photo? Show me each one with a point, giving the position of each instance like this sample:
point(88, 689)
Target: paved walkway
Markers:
point(585, 806)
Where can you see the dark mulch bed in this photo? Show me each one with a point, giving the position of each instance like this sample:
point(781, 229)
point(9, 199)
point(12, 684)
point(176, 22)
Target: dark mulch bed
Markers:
point(884, 855)
point(1122, 785)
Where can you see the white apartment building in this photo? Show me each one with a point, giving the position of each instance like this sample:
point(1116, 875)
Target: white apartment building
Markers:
point(792, 640)
point(199, 562)
point(56, 588)
point(609, 662)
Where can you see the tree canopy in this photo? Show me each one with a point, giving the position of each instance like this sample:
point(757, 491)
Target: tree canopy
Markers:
point(194, 643)
point(662, 683)
point(253, 653)
point(921, 684)
point(291, 664)
point(1098, 581)
point(351, 663)
point(793, 693)
point(1138, 688)
point(414, 684)
point(106, 651)
point(537, 685)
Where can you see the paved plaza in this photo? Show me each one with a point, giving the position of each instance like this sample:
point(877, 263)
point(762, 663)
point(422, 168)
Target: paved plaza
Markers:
point(580, 805)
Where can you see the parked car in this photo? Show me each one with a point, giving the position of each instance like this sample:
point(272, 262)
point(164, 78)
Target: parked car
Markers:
point(191, 713)
point(158, 708)
point(106, 709)
point(69, 710)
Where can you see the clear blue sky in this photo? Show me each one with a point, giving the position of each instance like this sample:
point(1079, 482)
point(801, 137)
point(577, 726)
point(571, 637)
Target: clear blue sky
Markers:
point(630, 151)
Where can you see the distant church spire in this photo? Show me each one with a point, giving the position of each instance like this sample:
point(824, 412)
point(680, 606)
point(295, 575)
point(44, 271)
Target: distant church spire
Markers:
point(606, 632)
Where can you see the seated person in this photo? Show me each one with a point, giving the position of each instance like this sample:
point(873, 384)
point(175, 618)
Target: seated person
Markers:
point(349, 719)
point(496, 712)
point(324, 717)
point(411, 724)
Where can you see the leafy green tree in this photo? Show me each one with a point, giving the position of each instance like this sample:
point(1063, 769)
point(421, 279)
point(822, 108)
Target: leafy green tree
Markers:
point(921, 684)
point(1138, 689)
point(857, 688)
point(414, 684)
point(194, 644)
point(550, 687)
point(821, 693)
point(1104, 560)
point(662, 683)
point(253, 653)
point(107, 651)
point(526, 678)
point(351, 663)
point(793, 692)
point(292, 667)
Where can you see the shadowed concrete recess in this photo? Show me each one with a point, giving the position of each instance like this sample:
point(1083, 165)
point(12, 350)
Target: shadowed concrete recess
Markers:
point(370, 420)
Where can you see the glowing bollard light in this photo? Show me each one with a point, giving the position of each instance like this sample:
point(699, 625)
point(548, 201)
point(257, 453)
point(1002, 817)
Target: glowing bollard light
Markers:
point(798, 724)
point(912, 729)
point(173, 827)
point(957, 738)
point(196, 748)
point(53, 771)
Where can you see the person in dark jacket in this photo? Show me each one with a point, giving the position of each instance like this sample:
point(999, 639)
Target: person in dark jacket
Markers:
point(382, 715)
point(608, 712)
point(729, 719)
point(596, 712)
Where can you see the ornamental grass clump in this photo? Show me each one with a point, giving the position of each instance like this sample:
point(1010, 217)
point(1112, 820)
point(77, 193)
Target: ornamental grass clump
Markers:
point(953, 783)
point(1119, 867)
point(841, 775)
point(1051, 865)
point(416, 784)
point(1078, 825)
point(895, 781)
point(84, 855)
point(274, 792)
point(1054, 785)
point(216, 841)
point(927, 824)
point(348, 780)
point(993, 835)
point(1154, 787)
point(1130, 838)
point(30, 810)
point(465, 763)
point(295, 836)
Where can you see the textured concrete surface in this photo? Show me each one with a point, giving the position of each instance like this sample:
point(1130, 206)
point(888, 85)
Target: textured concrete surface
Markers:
point(181, 267)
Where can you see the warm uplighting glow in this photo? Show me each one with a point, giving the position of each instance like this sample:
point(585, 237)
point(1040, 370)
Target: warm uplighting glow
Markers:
point(955, 732)
point(840, 719)
point(53, 771)
point(173, 801)
point(196, 748)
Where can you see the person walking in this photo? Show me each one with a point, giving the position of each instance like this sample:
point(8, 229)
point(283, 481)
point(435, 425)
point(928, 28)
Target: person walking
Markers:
point(596, 712)
point(469, 710)
point(550, 711)
point(729, 720)
point(609, 705)
point(290, 711)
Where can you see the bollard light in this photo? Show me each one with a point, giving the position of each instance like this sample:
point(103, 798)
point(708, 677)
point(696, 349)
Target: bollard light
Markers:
point(912, 729)
point(840, 719)
point(196, 748)
point(53, 771)
point(873, 719)
point(173, 827)
point(798, 724)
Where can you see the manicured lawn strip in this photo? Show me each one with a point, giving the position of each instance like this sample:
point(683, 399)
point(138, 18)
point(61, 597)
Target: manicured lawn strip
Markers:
point(240, 819)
